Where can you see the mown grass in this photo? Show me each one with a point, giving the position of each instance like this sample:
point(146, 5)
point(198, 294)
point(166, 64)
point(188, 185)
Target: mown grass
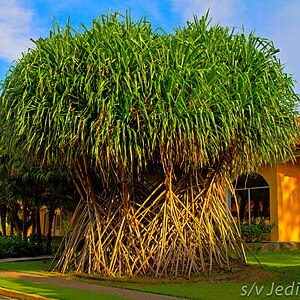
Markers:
point(51, 291)
point(39, 267)
point(284, 263)
point(281, 268)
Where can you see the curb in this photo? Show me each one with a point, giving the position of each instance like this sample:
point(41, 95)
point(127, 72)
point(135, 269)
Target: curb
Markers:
point(21, 295)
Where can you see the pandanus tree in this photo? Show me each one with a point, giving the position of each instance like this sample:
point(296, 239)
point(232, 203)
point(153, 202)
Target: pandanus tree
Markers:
point(153, 127)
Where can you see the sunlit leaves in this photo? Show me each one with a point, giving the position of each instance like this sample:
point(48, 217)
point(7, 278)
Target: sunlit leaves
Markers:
point(121, 87)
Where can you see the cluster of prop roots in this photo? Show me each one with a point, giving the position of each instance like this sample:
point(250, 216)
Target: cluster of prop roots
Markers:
point(175, 232)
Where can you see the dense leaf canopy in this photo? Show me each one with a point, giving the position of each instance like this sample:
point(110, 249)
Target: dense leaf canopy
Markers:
point(121, 91)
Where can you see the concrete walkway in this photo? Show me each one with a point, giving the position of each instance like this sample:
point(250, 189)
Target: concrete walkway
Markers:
point(15, 259)
point(75, 284)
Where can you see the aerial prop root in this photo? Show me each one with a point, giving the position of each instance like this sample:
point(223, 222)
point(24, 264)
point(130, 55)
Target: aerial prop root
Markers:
point(171, 234)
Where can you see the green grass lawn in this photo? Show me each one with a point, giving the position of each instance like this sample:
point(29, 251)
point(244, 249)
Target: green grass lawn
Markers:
point(41, 268)
point(281, 270)
point(33, 267)
point(50, 291)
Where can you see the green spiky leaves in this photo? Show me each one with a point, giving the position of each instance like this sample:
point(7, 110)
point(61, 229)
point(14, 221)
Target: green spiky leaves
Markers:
point(121, 91)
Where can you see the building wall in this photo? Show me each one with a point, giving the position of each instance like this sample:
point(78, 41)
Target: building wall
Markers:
point(57, 225)
point(289, 201)
point(284, 182)
point(269, 174)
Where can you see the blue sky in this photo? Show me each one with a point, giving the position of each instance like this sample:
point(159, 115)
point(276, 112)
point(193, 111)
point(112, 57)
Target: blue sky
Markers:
point(277, 20)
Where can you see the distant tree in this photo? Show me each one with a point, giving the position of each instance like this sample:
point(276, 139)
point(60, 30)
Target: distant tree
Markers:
point(3, 195)
point(57, 192)
point(153, 127)
point(8, 205)
point(28, 188)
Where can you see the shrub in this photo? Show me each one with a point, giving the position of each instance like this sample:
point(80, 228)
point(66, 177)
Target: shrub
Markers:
point(256, 231)
point(16, 246)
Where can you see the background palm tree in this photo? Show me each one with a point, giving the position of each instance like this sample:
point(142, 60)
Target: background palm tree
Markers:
point(28, 188)
point(152, 128)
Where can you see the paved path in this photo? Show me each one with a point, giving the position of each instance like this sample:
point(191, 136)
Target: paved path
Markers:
point(15, 259)
point(76, 284)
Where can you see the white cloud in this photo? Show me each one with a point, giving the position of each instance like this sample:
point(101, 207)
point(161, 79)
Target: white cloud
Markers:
point(220, 11)
point(15, 29)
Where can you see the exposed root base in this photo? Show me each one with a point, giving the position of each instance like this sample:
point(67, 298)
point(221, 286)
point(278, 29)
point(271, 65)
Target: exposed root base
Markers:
point(171, 234)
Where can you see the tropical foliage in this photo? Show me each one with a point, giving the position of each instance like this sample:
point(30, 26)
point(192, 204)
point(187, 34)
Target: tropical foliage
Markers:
point(152, 127)
point(257, 231)
point(16, 246)
point(24, 190)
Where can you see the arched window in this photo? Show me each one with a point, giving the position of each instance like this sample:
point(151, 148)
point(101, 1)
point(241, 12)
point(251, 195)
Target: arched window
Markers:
point(253, 198)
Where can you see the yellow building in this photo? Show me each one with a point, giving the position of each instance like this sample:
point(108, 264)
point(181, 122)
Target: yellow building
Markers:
point(284, 182)
point(273, 193)
point(58, 225)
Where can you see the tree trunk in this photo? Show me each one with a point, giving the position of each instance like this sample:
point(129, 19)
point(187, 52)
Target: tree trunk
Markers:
point(3, 218)
point(11, 221)
point(15, 220)
point(49, 236)
point(33, 220)
point(24, 212)
point(38, 226)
